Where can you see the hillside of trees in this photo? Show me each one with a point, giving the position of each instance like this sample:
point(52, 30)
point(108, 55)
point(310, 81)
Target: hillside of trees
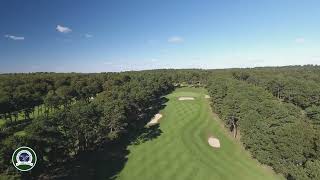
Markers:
point(66, 117)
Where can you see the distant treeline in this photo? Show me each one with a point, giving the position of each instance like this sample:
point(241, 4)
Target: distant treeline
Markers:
point(275, 109)
point(80, 113)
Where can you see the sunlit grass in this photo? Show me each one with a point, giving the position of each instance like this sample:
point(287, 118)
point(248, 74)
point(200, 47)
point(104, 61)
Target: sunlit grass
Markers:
point(182, 151)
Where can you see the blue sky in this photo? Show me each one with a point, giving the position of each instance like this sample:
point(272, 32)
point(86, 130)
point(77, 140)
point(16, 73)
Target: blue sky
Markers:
point(119, 35)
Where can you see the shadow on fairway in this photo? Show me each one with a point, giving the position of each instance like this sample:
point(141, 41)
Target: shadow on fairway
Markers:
point(147, 134)
point(110, 159)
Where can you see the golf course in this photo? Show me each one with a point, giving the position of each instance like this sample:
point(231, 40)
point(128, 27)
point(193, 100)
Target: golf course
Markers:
point(182, 150)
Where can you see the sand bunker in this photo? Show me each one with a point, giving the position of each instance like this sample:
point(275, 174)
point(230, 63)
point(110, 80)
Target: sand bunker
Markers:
point(186, 98)
point(155, 120)
point(207, 96)
point(214, 142)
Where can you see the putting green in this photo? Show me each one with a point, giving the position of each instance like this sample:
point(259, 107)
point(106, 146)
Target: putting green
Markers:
point(182, 151)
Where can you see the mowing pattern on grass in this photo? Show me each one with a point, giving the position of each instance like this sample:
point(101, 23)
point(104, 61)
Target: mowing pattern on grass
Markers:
point(182, 151)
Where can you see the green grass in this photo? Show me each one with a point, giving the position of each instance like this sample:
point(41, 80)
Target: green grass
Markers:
point(181, 152)
point(20, 133)
point(2, 122)
point(21, 115)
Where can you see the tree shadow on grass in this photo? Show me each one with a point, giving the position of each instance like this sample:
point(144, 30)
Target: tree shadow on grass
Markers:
point(108, 161)
point(148, 133)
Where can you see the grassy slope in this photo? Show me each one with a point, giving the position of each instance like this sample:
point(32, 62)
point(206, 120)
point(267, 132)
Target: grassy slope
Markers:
point(182, 151)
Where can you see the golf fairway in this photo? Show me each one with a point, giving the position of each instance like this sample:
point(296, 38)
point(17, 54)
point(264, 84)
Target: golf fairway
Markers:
point(182, 152)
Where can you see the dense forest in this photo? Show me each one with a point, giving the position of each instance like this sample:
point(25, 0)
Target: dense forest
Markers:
point(274, 110)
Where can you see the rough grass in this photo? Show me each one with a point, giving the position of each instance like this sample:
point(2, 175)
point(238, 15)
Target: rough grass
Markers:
point(182, 151)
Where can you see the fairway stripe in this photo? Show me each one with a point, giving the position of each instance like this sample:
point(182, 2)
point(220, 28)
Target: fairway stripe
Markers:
point(181, 152)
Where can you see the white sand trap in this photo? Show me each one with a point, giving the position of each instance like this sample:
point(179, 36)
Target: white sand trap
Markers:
point(214, 142)
point(207, 96)
point(186, 98)
point(155, 120)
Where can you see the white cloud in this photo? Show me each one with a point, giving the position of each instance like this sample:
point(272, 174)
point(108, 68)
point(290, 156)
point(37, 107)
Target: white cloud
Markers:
point(16, 38)
point(88, 35)
point(63, 29)
point(175, 39)
point(300, 40)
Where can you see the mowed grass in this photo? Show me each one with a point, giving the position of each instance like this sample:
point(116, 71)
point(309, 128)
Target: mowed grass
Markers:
point(181, 152)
